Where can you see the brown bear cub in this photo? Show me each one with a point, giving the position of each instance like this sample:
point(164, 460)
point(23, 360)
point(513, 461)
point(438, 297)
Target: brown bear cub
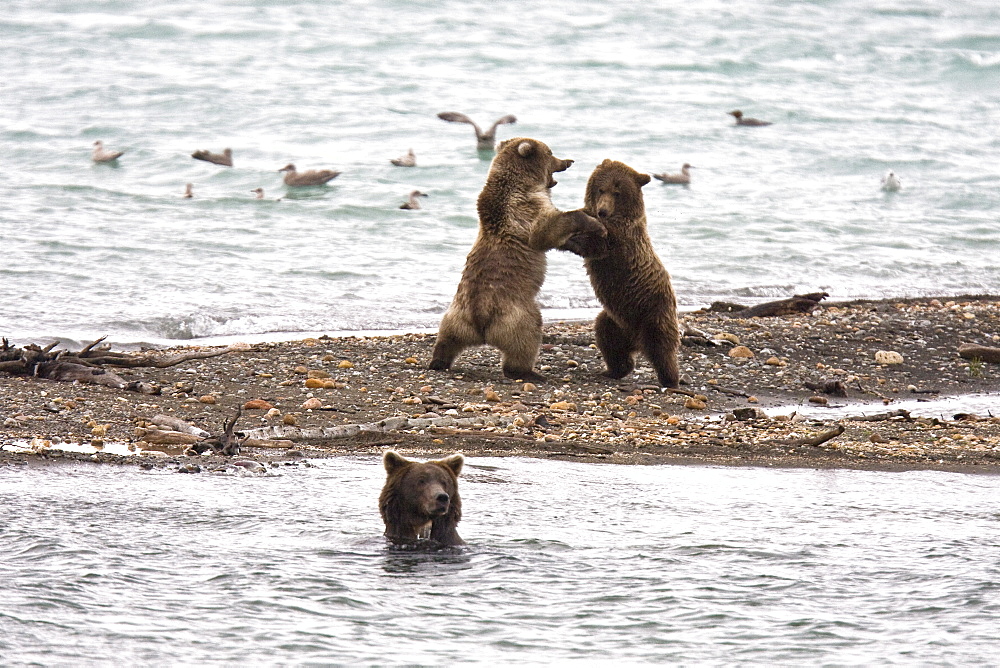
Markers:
point(420, 500)
point(495, 302)
point(640, 310)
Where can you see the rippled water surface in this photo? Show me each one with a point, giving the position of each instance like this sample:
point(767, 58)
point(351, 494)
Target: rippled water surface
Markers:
point(855, 88)
point(565, 561)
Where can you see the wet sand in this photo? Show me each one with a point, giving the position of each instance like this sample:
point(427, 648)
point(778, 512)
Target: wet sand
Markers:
point(327, 396)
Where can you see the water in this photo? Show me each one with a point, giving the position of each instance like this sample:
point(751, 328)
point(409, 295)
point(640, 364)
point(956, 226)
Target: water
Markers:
point(855, 89)
point(565, 561)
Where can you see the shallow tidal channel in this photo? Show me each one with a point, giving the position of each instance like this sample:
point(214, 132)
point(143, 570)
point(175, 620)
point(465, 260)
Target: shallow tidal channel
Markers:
point(106, 565)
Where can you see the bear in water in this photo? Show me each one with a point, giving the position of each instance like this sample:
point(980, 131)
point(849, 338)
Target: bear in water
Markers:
point(640, 310)
point(495, 302)
point(420, 500)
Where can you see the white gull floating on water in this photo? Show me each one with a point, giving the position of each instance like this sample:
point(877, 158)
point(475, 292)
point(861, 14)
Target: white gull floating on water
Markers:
point(102, 154)
point(891, 182)
point(188, 192)
point(683, 178)
point(485, 141)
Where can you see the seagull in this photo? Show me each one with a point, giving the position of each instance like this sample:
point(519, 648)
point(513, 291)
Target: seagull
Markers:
point(408, 160)
point(414, 203)
point(259, 191)
point(891, 182)
point(749, 122)
point(225, 158)
point(683, 178)
point(188, 194)
point(101, 154)
point(485, 141)
point(314, 177)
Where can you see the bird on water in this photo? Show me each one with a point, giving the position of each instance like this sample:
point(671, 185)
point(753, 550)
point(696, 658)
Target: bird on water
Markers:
point(188, 192)
point(313, 177)
point(485, 141)
point(225, 158)
point(414, 201)
point(891, 182)
point(684, 178)
point(102, 154)
point(748, 122)
point(408, 160)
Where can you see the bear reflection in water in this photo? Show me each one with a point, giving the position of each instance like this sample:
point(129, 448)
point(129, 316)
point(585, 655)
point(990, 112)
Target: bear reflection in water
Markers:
point(420, 504)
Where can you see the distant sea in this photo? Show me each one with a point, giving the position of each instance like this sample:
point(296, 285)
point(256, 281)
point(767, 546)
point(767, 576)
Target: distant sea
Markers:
point(854, 88)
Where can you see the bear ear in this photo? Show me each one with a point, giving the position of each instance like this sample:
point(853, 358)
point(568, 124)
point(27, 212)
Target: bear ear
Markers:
point(525, 149)
point(454, 463)
point(393, 461)
point(642, 179)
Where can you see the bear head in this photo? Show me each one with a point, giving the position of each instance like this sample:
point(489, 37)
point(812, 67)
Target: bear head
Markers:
point(528, 161)
point(420, 499)
point(614, 193)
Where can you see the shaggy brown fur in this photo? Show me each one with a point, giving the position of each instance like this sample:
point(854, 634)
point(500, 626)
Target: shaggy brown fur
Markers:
point(420, 500)
point(495, 302)
point(640, 310)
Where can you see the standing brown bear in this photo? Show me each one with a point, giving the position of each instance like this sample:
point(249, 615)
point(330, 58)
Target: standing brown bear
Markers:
point(640, 310)
point(495, 302)
point(420, 500)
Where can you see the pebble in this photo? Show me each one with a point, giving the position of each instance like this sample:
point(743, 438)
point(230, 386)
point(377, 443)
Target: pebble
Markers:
point(412, 401)
point(318, 373)
point(206, 399)
point(491, 395)
point(822, 401)
point(344, 364)
point(529, 387)
point(741, 352)
point(410, 360)
point(257, 404)
point(314, 383)
point(311, 403)
point(726, 336)
point(693, 403)
point(563, 406)
point(273, 413)
point(774, 361)
point(289, 420)
point(888, 357)
point(301, 370)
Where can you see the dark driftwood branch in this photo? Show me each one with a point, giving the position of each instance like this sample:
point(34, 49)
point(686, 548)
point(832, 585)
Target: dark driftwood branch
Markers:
point(971, 351)
point(85, 366)
point(794, 305)
point(879, 417)
point(817, 439)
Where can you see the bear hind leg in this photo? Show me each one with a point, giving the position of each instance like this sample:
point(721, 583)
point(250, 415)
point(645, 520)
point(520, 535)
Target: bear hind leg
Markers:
point(518, 336)
point(617, 346)
point(453, 337)
point(660, 348)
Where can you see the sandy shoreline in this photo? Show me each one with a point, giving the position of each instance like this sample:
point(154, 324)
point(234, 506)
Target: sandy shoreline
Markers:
point(327, 396)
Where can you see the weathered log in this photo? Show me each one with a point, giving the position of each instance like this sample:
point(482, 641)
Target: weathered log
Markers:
point(878, 417)
point(68, 371)
point(815, 440)
point(795, 304)
point(971, 351)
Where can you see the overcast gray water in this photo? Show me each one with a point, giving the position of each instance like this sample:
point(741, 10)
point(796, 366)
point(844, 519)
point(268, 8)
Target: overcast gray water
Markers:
point(854, 89)
point(633, 564)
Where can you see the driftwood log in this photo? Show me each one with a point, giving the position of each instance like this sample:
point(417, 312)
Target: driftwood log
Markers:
point(85, 365)
point(971, 351)
point(795, 304)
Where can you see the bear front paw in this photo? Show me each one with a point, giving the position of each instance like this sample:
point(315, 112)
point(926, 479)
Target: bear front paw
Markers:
point(586, 244)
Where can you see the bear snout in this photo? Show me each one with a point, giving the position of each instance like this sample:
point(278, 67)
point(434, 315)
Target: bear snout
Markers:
point(440, 504)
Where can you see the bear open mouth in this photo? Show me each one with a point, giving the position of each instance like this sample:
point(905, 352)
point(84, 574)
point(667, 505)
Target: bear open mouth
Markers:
point(552, 182)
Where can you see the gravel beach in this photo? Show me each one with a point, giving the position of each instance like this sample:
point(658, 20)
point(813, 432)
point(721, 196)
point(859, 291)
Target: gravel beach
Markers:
point(852, 385)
